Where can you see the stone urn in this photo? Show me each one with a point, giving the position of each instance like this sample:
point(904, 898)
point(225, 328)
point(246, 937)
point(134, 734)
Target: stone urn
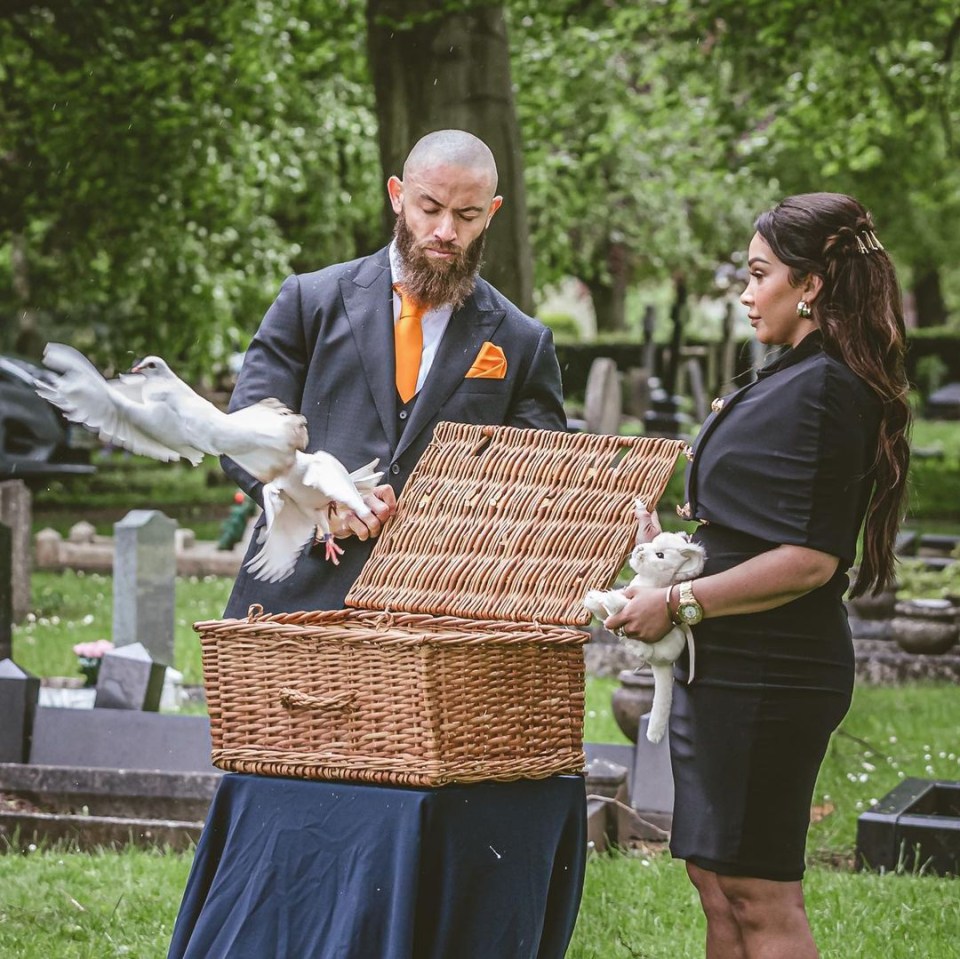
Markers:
point(925, 625)
point(872, 607)
point(631, 699)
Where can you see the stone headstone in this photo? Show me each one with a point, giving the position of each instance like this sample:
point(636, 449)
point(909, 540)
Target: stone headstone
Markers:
point(129, 679)
point(16, 513)
point(637, 392)
point(111, 739)
point(6, 592)
point(82, 532)
point(603, 403)
point(144, 580)
point(46, 548)
point(651, 791)
point(19, 691)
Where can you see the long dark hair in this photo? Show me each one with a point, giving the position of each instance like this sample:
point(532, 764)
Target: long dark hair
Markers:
point(859, 311)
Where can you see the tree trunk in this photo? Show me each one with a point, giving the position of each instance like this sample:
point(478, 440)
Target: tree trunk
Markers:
point(436, 70)
point(24, 337)
point(609, 294)
point(928, 297)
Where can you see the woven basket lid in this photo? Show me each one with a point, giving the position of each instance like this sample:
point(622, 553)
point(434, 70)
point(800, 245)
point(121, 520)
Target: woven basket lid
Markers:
point(512, 524)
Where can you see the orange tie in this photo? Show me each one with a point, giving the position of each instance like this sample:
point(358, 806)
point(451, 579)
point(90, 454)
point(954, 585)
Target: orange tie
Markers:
point(408, 340)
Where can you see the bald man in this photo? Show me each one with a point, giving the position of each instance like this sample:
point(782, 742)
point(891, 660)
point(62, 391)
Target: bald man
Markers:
point(327, 347)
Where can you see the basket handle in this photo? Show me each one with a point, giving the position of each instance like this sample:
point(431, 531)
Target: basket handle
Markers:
point(294, 699)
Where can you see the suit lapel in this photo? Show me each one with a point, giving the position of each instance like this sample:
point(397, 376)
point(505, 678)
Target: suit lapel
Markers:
point(368, 301)
point(466, 332)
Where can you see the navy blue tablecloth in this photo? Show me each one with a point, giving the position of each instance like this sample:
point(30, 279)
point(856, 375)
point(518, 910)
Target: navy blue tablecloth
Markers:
point(294, 869)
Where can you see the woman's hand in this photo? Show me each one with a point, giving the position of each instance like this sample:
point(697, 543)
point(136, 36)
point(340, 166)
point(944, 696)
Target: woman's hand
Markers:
point(648, 524)
point(644, 617)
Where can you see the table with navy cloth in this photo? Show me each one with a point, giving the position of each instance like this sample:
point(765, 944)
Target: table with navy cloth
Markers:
point(299, 869)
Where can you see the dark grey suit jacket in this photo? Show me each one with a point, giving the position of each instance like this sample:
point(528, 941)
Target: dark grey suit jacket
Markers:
point(325, 348)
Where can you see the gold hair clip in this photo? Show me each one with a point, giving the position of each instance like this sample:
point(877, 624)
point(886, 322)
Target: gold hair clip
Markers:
point(867, 242)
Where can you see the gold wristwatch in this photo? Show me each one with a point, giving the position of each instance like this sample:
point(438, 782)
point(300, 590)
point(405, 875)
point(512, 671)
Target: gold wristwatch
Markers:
point(689, 610)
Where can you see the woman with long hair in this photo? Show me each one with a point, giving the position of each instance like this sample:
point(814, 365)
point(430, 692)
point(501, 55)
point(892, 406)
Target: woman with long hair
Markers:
point(785, 474)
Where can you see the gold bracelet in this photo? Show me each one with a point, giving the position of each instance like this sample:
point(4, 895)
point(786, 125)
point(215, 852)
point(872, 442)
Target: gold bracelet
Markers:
point(670, 613)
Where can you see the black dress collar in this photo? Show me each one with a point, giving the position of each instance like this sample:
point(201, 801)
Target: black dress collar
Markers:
point(812, 343)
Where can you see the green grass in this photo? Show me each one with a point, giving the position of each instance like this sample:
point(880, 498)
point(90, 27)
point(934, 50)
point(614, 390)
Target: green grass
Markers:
point(62, 905)
point(641, 905)
point(73, 607)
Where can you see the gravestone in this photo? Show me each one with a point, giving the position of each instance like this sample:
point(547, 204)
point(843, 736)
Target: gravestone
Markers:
point(19, 691)
point(128, 678)
point(651, 790)
point(6, 592)
point(144, 580)
point(15, 512)
point(637, 400)
point(603, 403)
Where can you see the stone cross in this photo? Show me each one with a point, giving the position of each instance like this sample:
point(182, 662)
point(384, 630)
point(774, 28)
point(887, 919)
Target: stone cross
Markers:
point(15, 512)
point(144, 580)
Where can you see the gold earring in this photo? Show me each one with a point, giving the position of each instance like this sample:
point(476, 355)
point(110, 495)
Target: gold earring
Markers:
point(803, 310)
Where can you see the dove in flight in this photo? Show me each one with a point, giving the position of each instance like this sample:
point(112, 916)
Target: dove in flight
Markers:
point(151, 411)
point(299, 505)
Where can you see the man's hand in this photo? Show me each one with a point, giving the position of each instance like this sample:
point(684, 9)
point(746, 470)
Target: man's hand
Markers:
point(383, 504)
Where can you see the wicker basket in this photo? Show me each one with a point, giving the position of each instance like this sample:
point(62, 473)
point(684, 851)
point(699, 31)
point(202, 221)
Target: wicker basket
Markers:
point(457, 662)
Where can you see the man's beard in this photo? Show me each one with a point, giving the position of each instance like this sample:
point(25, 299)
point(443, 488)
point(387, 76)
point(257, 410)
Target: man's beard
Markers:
point(435, 282)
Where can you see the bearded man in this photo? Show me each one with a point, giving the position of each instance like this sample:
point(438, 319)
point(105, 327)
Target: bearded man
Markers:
point(375, 352)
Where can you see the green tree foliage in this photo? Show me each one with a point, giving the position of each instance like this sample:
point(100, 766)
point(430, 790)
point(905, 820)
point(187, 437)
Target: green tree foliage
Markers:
point(629, 167)
point(857, 98)
point(163, 165)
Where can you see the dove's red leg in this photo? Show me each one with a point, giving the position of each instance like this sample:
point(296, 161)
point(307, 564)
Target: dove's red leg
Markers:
point(332, 551)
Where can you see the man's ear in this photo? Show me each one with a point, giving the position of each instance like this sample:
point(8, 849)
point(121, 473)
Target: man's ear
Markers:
point(812, 286)
point(395, 190)
point(495, 205)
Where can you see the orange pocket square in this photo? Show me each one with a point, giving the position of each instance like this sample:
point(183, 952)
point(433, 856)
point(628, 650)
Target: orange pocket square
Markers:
point(490, 364)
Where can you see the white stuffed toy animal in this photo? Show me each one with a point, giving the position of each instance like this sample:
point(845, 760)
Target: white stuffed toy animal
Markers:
point(667, 559)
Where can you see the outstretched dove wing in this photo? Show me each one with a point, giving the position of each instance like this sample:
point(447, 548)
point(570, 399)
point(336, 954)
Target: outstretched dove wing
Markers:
point(153, 412)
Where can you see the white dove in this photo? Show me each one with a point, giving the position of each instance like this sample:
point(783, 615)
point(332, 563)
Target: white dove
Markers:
point(302, 501)
point(153, 412)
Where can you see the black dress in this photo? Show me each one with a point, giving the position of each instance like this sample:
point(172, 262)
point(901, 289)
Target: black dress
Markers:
point(786, 460)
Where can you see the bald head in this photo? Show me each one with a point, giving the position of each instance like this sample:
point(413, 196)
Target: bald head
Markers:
point(453, 148)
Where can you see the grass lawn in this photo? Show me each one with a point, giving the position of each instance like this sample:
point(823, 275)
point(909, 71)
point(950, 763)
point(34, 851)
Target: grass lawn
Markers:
point(57, 903)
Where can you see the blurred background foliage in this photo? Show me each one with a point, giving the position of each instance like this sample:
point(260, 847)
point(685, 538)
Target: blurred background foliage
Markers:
point(163, 166)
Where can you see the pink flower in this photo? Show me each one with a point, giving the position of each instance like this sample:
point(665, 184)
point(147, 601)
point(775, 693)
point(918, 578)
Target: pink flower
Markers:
point(93, 650)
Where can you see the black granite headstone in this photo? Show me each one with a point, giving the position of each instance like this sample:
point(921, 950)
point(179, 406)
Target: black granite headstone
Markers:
point(6, 592)
point(129, 679)
point(19, 691)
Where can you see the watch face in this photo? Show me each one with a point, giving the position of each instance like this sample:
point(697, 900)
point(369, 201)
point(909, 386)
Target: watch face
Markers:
point(690, 613)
